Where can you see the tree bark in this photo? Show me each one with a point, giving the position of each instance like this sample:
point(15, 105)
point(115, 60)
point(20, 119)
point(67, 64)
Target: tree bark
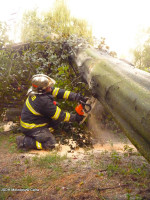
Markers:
point(123, 90)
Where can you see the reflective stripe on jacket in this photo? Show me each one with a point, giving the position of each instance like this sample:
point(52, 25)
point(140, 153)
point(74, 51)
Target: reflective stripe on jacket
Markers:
point(63, 94)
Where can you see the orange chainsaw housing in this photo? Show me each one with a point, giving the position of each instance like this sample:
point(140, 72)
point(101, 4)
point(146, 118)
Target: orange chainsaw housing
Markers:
point(79, 109)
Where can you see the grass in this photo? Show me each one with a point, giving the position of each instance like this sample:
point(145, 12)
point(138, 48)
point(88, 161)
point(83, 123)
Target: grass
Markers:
point(131, 197)
point(8, 141)
point(4, 194)
point(22, 181)
point(127, 170)
point(25, 182)
point(1, 129)
point(112, 169)
point(49, 161)
point(128, 151)
point(9, 184)
point(116, 158)
point(2, 139)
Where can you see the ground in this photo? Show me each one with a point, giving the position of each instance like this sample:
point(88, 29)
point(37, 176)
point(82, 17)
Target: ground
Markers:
point(109, 171)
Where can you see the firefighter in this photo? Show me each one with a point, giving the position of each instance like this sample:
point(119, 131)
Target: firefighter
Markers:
point(40, 114)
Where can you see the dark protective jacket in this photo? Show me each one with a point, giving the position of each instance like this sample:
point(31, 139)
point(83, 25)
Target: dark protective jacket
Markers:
point(40, 110)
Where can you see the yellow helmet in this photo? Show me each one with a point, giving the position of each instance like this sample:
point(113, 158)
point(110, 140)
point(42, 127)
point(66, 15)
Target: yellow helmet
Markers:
point(39, 83)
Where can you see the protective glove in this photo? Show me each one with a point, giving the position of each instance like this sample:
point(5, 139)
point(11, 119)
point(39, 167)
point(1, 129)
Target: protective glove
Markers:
point(79, 97)
point(79, 118)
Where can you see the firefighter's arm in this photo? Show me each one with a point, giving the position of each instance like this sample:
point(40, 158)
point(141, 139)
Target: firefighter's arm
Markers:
point(65, 116)
point(67, 95)
point(55, 113)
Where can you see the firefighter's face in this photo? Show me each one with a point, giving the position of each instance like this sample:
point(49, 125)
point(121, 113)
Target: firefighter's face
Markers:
point(48, 89)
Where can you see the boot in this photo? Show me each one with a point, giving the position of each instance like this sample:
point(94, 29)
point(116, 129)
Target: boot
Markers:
point(48, 145)
point(20, 142)
point(26, 143)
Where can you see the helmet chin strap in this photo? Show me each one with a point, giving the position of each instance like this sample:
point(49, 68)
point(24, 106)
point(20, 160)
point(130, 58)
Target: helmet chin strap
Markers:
point(41, 91)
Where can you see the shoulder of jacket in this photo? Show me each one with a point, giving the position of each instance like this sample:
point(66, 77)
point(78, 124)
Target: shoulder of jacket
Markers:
point(46, 97)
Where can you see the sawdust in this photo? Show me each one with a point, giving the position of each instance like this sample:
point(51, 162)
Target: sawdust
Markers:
point(8, 126)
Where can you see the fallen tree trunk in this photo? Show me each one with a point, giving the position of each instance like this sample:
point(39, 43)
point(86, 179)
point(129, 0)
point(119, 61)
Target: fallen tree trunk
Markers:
point(123, 90)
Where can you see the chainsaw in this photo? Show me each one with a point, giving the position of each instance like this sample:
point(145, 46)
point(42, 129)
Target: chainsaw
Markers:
point(85, 108)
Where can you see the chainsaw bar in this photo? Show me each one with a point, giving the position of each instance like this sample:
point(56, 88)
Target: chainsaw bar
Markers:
point(91, 101)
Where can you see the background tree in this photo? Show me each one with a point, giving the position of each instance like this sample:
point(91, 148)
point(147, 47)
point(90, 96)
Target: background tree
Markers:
point(142, 53)
point(57, 22)
point(4, 39)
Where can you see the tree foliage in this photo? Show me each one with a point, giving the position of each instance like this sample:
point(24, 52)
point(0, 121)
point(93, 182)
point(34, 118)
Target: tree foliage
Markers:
point(58, 23)
point(4, 40)
point(142, 54)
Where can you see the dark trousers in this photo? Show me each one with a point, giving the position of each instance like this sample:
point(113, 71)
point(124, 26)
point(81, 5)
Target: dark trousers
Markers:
point(40, 139)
